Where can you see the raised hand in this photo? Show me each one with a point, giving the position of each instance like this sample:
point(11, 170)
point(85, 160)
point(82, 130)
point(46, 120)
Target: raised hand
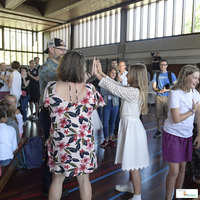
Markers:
point(93, 66)
point(99, 68)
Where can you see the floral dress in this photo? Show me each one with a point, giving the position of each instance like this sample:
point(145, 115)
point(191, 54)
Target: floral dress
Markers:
point(70, 146)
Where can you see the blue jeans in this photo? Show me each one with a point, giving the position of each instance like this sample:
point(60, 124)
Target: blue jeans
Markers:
point(23, 102)
point(109, 112)
point(117, 118)
point(5, 162)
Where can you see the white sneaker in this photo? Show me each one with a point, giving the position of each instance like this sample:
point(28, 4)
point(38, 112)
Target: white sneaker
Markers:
point(30, 117)
point(25, 123)
point(35, 118)
point(126, 187)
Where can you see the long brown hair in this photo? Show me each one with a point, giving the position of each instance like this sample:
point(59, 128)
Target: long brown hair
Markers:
point(8, 108)
point(182, 82)
point(137, 77)
point(113, 68)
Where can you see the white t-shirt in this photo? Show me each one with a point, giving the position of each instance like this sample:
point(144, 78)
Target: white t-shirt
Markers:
point(5, 88)
point(124, 77)
point(16, 85)
point(183, 101)
point(8, 141)
point(20, 122)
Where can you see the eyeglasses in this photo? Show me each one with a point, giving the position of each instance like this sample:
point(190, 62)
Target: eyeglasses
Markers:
point(163, 64)
point(64, 50)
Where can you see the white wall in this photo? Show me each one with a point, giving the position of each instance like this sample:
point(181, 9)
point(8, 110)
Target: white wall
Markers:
point(183, 49)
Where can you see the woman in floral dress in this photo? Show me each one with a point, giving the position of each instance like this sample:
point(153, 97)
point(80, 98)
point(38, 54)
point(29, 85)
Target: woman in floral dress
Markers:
point(71, 147)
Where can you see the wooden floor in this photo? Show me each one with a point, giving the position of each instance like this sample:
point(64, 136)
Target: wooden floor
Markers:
point(27, 184)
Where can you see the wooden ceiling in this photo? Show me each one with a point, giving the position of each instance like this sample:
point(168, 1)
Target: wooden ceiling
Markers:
point(40, 15)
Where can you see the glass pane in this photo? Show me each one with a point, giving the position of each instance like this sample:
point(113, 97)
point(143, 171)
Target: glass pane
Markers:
point(160, 18)
point(89, 33)
point(12, 56)
point(80, 35)
point(1, 56)
point(108, 28)
point(41, 58)
point(152, 21)
point(113, 29)
point(119, 26)
point(1, 38)
point(97, 31)
point(178, 17)
point(13, 40)
point(7, 57)
point(197, 16)
point(188, 16)
point(30, 57)
point(19, 57)
point(19, 41)
point(84, 34)
point(24, 39)
point(30, 41)
point(137, 21)
point(144, 22)
point(168, 22)
point(24, 59)
point(7, 39)
point(40, 42)
point(130, 25)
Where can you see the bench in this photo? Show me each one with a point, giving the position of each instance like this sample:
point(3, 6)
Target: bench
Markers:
point(8, 170)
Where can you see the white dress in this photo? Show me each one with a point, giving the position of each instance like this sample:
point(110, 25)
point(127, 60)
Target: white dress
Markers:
point(16, 85)
point(132, 148)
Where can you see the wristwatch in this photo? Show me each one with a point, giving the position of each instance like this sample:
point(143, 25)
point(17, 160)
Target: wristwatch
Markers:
point(192, 111)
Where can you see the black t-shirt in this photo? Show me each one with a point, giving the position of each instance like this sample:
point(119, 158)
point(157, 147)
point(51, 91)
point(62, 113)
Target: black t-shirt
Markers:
point(28, 88)
point(156, 65)
point(34, 84)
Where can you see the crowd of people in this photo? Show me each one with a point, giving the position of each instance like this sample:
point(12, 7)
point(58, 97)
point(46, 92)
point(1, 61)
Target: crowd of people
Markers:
point(65, 96)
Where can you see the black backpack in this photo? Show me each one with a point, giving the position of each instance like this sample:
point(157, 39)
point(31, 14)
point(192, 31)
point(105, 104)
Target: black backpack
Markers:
point(169, 77)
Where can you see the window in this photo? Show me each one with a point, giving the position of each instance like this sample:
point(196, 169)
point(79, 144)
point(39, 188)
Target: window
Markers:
point(168, 17)
point(160, 19)
point(144, 22)
point(178, 16)
point(20, 44)
point(197, 17)
point(137, 23)
point(152, 20)
point(187, 26)
point(98, 29)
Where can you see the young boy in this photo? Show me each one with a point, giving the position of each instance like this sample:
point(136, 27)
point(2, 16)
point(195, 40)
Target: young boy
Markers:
point(8, 140)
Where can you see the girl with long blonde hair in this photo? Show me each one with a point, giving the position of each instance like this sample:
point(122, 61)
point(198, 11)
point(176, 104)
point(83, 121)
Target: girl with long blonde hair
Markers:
point(177, 145)
point(132, 148)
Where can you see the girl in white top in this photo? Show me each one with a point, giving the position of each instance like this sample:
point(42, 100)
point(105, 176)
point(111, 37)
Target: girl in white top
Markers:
point(8, 140)
point(13, 101)
point(132, 149)
point(14, 82)
point(183, 103)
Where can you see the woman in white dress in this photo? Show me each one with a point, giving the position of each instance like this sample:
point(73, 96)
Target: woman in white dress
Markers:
point(132, 148)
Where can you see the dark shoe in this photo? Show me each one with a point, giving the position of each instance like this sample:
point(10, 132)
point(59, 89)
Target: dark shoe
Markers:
point(67, 180)
point(104, 144)
point(111, 143)
point(157, 135)
point(45, 192)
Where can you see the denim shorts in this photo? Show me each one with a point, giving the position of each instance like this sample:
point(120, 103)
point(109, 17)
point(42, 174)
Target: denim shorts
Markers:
point(5, 162)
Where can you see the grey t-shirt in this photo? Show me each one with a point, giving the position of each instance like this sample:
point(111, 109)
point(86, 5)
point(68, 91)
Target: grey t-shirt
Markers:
point(13, 123)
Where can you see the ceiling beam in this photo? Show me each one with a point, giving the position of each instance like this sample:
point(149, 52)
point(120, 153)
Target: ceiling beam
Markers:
point(12, 4)
point(53, 7)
